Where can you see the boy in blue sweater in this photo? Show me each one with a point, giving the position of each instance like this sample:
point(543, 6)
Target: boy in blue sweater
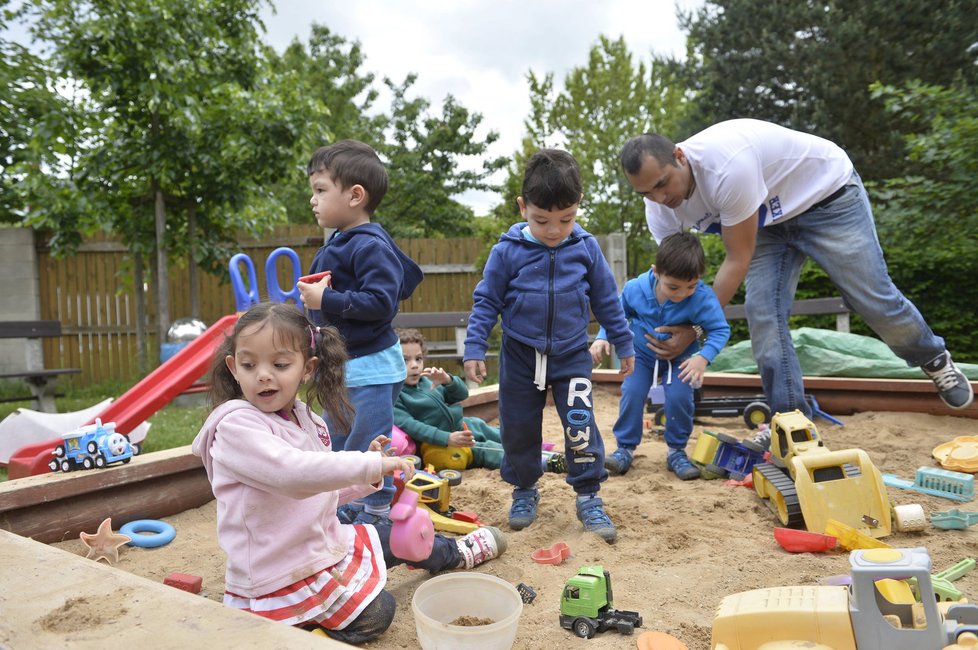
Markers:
point(370, 277)
point(671, 293)
point(544, 277)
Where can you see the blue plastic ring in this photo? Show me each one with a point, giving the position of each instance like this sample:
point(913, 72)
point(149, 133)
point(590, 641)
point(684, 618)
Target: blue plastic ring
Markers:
point(162, 533)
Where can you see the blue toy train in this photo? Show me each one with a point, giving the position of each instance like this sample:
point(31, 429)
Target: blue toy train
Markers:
point(94, 445)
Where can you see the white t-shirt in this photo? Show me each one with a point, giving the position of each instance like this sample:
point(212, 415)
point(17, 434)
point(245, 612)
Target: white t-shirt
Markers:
point(743, 166)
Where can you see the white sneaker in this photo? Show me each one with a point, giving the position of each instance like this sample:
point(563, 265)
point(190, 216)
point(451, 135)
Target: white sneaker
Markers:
point(481, 545)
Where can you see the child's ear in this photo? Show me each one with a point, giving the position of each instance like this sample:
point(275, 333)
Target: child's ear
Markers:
point(310, 368)
point(229, 362)
point(358, 196)
point(522, 205)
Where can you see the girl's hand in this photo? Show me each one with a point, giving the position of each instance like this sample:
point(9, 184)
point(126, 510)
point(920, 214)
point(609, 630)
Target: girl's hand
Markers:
point(599, 350)
point(395, 466)
point(438, 376)
point(475, 370)
point(379, 444)
point(461, 439)
point(692, 369)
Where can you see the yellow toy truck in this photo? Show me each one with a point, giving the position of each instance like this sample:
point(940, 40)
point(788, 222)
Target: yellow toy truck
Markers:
point(876, 611)
point(806, 484)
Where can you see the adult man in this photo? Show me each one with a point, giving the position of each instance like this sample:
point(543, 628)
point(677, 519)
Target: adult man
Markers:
point(777, 197)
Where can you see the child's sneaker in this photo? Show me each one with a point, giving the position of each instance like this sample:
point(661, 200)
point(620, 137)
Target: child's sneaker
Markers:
point(348, 512)
point(524, 509)
point(481, 545)
point(554, 461)
point(953, 387)
point(619, 461)
point(590, 510)
point(373, 518)
point(681, 466)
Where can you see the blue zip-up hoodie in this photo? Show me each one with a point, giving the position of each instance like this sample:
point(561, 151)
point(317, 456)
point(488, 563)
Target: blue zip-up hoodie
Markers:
point(370, 277)
point(645, 314)
point(545, 295)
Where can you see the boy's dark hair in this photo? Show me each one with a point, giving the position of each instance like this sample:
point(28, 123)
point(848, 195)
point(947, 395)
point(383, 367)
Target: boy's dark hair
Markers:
point(349, 163)
point(681, 256)
point(648, 144)
point(407, 335)
point(552, 180)
point(328, 386)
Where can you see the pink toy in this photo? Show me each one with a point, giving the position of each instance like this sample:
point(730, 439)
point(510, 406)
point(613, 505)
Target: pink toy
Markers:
point(555, 555)
point(401, 442)
point(412, 531)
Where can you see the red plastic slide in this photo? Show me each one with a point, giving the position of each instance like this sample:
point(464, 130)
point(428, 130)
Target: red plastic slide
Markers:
point(141, 401)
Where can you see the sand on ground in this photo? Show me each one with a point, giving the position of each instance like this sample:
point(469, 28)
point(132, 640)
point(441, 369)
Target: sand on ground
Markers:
point(681, 546)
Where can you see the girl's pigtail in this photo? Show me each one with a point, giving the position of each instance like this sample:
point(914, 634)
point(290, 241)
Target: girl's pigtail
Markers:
point(329, 381)
point(223, 386)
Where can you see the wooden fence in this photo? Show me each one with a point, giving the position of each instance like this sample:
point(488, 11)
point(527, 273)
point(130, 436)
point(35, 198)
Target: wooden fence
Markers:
point(88, 294)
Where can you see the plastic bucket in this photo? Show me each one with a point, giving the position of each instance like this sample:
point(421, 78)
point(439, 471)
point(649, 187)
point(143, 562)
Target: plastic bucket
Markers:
point(445, 598)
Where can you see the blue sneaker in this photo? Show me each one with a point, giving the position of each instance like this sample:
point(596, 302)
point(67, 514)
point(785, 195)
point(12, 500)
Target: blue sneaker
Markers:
point(347, 512)
point(619, 461)
point(681, 466)
point(364, 517)
point(590, 510)
point(524, 509)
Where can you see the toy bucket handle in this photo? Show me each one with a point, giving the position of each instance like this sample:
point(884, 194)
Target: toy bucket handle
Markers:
point(243, 298)
point(275, 292)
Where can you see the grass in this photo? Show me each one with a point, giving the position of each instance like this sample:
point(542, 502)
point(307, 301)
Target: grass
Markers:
point(171, 426)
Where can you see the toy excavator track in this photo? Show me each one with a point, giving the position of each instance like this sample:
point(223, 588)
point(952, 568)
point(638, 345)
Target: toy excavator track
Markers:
point(780, 484)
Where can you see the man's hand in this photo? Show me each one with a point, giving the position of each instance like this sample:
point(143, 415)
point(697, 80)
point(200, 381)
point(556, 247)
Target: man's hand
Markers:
point(475, 370)
point(682, 337)
point(438, 376)
point(599, 350)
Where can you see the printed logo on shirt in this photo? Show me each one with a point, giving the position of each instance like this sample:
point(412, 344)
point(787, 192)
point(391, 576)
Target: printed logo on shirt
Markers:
point(709, 222)
point(776, 211)
point(323, 435)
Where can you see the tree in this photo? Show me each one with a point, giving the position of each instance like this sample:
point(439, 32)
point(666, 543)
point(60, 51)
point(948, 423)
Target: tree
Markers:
point(189, 122)
point(928, 221)
point(601, 105)
point(809, 65)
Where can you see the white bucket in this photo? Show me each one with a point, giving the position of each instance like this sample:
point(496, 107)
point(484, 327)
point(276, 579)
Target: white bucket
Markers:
point(442, 599)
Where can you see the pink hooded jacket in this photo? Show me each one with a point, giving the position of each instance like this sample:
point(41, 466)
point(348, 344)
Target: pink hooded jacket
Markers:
point(277, 487)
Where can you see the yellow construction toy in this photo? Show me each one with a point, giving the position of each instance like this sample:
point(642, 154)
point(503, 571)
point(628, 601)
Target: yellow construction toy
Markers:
point(434, 494)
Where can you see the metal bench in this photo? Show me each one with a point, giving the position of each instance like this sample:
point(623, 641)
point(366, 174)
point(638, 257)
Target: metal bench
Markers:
point(40, 380)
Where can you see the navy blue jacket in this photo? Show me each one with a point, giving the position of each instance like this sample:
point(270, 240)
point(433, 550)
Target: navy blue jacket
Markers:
point(546, 295)
point(370, 278)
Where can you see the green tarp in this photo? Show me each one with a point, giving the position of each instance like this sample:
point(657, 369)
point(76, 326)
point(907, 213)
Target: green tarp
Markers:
point(826, 353)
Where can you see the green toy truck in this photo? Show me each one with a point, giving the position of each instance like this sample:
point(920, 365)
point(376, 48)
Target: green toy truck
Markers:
point(587, 606)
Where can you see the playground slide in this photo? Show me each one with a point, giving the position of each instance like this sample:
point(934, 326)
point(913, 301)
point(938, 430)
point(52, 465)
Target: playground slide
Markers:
point(141, 401)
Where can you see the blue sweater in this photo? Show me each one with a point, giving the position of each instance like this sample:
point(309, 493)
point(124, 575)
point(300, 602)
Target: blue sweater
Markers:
point(546, 295)
point(645, 314)
point(371, 276)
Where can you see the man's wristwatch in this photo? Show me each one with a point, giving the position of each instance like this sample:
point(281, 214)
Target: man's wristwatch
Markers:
point(700, 334)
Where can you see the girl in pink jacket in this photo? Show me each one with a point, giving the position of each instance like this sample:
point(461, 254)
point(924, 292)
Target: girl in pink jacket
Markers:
point(278, 484)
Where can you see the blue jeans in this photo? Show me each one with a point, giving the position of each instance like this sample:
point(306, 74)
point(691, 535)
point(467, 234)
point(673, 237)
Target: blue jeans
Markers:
point(841, 238)
point(374, 416)
point(634, 393)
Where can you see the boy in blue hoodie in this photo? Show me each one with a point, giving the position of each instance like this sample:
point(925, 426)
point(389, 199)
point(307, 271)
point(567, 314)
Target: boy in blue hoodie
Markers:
point(671, 293)
point(370, 277)
point(544, 277)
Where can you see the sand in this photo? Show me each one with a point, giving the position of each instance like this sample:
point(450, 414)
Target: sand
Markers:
point(681, 546)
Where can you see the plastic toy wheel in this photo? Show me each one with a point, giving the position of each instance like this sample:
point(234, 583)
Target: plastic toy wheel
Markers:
point(453, 476)
point(414, 459)
point(716, 470)
point(100, 461)
point(59, 451)
point(65, 465)
point(92, 447)
point(753, 446)
point(626, 628)
point(756, 413)
point(659, 418)
point(135, 449)
point(584, 628)
point(87, 463)
point(53, 465)
point(730, 440)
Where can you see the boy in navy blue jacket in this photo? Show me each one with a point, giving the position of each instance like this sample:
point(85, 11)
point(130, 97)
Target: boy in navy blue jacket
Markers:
point(671, 293)
point(544, 277)
point(370, 277)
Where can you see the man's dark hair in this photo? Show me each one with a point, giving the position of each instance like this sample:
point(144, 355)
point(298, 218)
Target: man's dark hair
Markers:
point(648, 144)
point(349, 163)
point(552, 180)
point(681, 256)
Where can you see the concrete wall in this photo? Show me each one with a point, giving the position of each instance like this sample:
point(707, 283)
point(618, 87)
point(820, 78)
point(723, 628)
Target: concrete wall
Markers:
point(19, 297)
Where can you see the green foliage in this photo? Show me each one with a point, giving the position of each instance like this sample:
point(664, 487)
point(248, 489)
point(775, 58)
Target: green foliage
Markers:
point(808, 65)
point(603, 103)
point(928, 220)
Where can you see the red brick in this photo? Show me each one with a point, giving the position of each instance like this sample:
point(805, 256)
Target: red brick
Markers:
point(184, 581)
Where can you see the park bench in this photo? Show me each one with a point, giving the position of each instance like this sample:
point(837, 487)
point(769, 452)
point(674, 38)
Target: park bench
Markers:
point(40, 380)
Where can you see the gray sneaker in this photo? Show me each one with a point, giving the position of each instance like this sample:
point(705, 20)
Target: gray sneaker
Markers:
point(618, 462)
point(953, 387)
point(590, 510)
point(523, 512)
